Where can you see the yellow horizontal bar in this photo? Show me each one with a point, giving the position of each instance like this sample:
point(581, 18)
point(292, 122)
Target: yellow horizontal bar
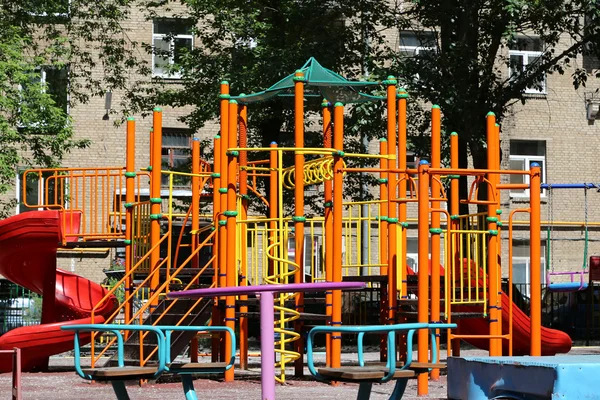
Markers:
point(359, 155)
point(352, 203)
point(299, 150)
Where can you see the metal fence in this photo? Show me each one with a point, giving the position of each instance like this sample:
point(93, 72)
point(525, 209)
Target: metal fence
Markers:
point(576, 313)
point(18, 306)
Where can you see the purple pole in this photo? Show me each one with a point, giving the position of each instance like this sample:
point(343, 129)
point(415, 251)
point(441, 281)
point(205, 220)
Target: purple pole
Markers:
point(267, 353)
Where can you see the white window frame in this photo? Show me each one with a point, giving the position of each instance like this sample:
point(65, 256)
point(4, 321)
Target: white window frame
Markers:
point(527, 160)
point(528, 57)
point(171, 57)
point(527, 262)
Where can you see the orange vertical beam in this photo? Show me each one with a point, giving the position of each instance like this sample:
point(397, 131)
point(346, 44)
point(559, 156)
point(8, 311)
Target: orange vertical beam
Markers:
point(130, 176)
point(216, 180)
point(534, 256)
point(492, 244)
point(423, 274)
point(498, 211)
point(454, 345)
point(155, 201)
point(393, 194)
point(338, 198)
point(436, 162)
point(195, 224)
point(230, 214)
point(222, 224)
point(383, 244)
point(402, 186)
point(328, 143)
point(299, 218)
point(243, 178)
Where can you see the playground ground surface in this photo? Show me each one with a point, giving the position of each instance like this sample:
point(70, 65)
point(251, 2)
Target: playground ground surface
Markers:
point(62, 383)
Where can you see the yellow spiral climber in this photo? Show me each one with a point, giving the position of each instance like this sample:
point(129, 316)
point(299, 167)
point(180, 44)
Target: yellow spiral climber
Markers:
point(315, 171)
point(286, 315)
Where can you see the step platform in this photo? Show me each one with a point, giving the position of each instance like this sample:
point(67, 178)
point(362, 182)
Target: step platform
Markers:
point(556, 377)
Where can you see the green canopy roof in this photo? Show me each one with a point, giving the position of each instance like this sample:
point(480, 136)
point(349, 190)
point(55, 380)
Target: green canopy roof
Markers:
point(318, 81)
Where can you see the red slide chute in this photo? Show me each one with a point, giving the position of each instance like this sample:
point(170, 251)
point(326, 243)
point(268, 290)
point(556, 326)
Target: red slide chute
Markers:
point(28, 244)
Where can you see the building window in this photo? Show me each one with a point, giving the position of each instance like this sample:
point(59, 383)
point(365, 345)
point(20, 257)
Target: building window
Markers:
point(522, 154)
point(524, 53)
point(46, 80)
point(171, 40)
point(521, 264)
point(176, 150)
point(413, 43)
point(44, 8)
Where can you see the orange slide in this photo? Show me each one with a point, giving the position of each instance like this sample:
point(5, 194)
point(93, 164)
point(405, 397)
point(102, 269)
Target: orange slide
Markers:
point(28, 244)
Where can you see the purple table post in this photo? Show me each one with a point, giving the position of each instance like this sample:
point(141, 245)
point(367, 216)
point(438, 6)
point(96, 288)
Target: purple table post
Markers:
point(267, 346)
point(267, 319)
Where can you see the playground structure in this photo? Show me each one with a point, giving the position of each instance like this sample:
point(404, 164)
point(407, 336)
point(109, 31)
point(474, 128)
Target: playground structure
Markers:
point(229, 247)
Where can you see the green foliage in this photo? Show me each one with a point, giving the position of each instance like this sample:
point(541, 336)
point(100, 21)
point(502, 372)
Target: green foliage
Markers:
point(254, 44)
point(466, 71)
point(47, 66)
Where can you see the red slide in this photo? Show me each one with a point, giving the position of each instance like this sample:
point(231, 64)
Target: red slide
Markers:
point(28, 244)
point(553, 341)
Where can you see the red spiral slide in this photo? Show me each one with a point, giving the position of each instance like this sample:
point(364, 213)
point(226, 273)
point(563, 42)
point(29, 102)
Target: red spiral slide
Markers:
point(553, 340)
point(28, 244)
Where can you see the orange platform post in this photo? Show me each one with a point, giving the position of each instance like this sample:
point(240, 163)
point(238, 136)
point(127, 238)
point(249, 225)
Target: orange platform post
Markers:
point(230, 214)
point(328, 193)
point(495, 305)
point(436, 162)
point(155, 200)
point(338, 198)
point(243, 274)
point(423, 273)
point(299, 217)
point(392, 219)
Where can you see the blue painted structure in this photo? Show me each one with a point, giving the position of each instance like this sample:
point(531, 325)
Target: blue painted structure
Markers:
point(524, 378)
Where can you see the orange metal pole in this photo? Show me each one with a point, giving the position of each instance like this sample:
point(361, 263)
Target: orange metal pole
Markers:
point(222, 224)
point(299, 217)
point(393, 194)
point(338, 198)
point(243, 178)
point(436, 162)
point(216, 177)
point(492, 243)
point(130, 176)
point(155, 201)
point(423, 273)
point(534, 256)
point(498, 210)
point(327, 143)
point(454, 345)
point(222, 189)
point(195, 224)
point(383, 244)
point(231, 214)
point(402, 186)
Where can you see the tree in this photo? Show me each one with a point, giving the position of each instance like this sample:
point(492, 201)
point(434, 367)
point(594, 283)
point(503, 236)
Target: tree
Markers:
point(254, 44)
point(464, 65)
point(54, 55)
